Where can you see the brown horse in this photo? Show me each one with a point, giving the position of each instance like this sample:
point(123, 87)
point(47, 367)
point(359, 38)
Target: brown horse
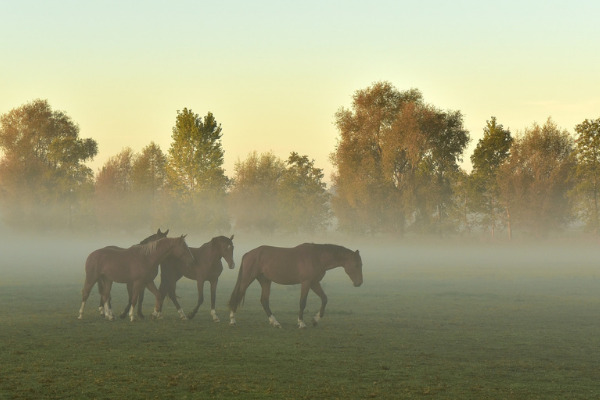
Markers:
point(305, 264)
point(206, 267)
point(151, 238)
point(137, 265)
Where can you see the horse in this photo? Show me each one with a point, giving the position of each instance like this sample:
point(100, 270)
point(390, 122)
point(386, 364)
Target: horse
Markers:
point(206, 267)
point(151, 238)
point(305, 264)
point(136, 265)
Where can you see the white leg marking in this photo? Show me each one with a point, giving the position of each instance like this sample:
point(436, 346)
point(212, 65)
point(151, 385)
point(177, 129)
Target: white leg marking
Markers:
point(101, 310)
point(182, 314)
point(301, 324)
point(317, 318)
point(108, 312)
point(231, 318)
point(274, 322)
point(213, 312)
point(81, 310)
point(131, 314)
point(156, 314)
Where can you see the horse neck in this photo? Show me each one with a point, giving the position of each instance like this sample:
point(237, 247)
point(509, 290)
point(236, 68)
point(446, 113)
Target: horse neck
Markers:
point(213, 251)
point(163, 247)
point(332, 256)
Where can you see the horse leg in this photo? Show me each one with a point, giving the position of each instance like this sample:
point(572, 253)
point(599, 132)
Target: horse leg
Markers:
point(129, 292)
point(264, 300)
point(238, 294)
point(173, 297)
point(138, 286)
point(85, 293)
point(106, 286)
point(140, 301)
point(213, 300)
point(101, 306)
point(316, 287)
point(200, 285)
point(156, 314)
point(303, 295)
point(163, 290)
point(167, 288)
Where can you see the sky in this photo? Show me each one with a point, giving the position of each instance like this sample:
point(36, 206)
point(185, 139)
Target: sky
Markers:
point(274, 73)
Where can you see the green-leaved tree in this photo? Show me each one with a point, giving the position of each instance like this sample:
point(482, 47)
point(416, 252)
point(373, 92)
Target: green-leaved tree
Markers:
point(587, 182)
point(195, 171)
point(395, 160)
point(44, 181)
point(491, 152)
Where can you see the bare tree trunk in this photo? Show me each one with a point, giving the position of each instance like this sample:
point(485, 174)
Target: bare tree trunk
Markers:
point(596, 222)
point(508, 227)
point(493, 210)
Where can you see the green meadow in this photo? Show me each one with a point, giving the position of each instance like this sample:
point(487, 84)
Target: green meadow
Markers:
point(441, 322)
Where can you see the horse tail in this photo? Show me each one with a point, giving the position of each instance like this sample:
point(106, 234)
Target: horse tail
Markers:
point(91, 274)
point(238, 295)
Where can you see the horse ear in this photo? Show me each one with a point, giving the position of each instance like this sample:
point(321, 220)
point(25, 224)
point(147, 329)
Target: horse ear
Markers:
point(158, 232)
point(357, 253)
point(183, 236)
point(165, 232)
point(231, 238)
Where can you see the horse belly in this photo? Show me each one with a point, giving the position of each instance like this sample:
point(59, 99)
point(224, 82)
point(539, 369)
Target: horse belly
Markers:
point(284, 275)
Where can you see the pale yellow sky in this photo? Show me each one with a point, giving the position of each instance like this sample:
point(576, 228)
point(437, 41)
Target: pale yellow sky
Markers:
point(274, 73)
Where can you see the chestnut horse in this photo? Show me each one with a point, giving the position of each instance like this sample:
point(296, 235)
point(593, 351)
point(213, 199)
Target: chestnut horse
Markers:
point(151, 238)
point(137, 265)
point(206, 267)
point(305, 264)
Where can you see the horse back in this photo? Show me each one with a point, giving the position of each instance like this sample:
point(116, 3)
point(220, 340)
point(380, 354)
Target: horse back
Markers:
point(112, 261)
point(284, 265)
point(173, 269)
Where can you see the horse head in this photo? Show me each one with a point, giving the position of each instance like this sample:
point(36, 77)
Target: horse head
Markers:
point(158, 235)
point(224, 248)
point(353, 267)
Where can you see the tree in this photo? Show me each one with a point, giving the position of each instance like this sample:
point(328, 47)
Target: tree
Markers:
point(116, 205)
point(270, 195)
point(491, 152)
point(42, 171)
point(587, 174)
point(254, 192)
point(394, 159)
point(303, 196)
point(148, 180)
point(195, 171)
point(535, 181)
point(148, 172)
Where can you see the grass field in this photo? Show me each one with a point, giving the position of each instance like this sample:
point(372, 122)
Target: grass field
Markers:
point(429, 322)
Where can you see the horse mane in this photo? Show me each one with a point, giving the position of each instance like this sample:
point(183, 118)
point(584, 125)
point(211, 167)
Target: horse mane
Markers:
point(335, 248)
point(147, 249)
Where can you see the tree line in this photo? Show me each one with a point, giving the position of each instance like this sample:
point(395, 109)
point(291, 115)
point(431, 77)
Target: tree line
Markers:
point(397, 171)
